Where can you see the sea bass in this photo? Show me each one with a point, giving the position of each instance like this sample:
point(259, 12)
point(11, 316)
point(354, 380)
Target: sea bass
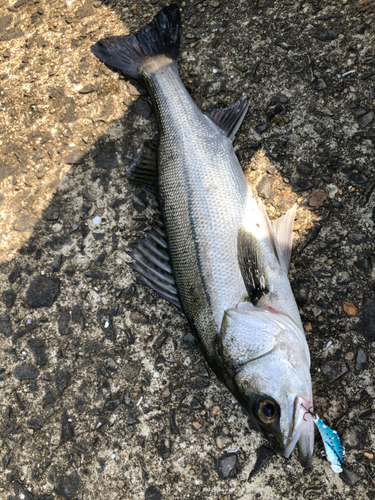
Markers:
point(215, 253)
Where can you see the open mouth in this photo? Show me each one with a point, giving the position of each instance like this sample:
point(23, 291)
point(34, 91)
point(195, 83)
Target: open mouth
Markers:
point(302, 431)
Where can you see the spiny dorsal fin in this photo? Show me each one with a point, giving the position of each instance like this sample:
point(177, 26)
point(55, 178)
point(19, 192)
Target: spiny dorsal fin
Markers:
point(229, 119)
point(283, 230)
point(143, 170)
point(252, 265)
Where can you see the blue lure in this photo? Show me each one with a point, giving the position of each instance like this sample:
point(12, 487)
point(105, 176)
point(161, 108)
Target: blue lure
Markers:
point(334, 449)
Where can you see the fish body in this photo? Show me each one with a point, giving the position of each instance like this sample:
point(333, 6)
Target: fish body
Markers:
point(229, 264)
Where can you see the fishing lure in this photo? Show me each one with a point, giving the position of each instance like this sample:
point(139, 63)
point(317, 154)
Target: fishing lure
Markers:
point(334, 450)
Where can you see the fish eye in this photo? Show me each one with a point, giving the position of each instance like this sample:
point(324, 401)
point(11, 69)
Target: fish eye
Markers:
point(266, 411)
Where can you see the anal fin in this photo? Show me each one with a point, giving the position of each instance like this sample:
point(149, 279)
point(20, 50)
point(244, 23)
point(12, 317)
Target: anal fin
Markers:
point(151, 260)
point(229, 119)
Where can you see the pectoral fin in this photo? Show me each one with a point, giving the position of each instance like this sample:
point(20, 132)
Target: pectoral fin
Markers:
point(252, 265)
point(283, 231)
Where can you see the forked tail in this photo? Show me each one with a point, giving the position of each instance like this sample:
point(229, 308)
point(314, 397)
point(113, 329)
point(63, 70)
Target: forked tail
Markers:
point(159, 38)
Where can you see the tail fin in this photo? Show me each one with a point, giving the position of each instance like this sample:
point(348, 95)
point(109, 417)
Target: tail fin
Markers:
point(160, 37)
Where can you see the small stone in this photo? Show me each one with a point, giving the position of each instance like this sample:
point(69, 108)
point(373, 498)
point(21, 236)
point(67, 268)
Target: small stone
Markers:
point(105, 322)
point(332, 191)
point(43, 291)
point(87, 89)
point(14, 274)
point(111, 365)
point(5, 325)
point(55, 266)
point(366, 119)
point(58, 242)
point(164, 449)
point(350, 309)
point(132, 417)
point(69, 271)
point(73, 227)
point(197, 425)
point(67, 430)
point(25, 372)
point(100, 259)
point(39, 350)
point(97, 220)
point(126, 400)
point(51, 213)
point(8, 298)
point(223, 441)
point(357, 238)
point(25, 223)
point(366, 323)
point(343, 278)
point(320, 84)
point(282, 99)
point(368, 455)
point(349, 477)
point(189, 341)
point(172, 423)
point(35, 423)
point(354, 436)
point(67, 486)
point(304, 169)
point(317, 198)
point(324, 35)
point(333, 370)
point(264, 188)
point(153, 493)
point(224, 465)
point(62, 322)
point(74, 158)
point(361, 360)
point(166, 393)
point(110, 406)
point(349, 356)
point(216, 410)
point(261, 128)
point(62, 379)
point(6, 171)
point(142, 107)
point(129, 292)
point(301, 290)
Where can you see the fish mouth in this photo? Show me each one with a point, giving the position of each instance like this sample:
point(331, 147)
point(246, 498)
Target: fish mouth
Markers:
point(302, 430)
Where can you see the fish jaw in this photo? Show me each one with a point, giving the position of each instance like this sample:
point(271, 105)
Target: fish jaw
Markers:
point(302, 430)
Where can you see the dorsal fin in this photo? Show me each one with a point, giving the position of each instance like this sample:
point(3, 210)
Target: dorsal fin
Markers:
point(229, 119)
point(143, 171)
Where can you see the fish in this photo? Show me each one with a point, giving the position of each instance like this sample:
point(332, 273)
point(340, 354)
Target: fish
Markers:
point(213, 251)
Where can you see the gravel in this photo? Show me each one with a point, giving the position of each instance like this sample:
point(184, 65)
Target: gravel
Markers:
point(69, 129)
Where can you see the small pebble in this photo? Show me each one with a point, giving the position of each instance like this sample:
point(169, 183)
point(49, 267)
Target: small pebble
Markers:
point(97, 220)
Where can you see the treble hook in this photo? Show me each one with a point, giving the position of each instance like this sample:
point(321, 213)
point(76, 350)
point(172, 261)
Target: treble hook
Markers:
point(307, 411)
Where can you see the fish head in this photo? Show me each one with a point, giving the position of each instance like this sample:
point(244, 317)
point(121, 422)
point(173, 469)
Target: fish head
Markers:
point(267, 368)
